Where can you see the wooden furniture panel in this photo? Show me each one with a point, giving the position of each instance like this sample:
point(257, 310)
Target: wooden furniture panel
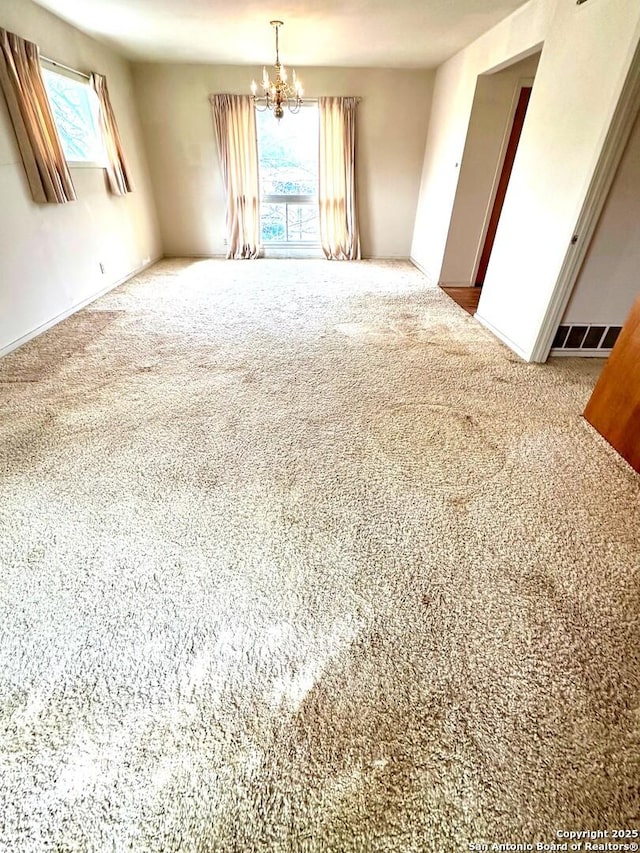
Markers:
point(614, 407)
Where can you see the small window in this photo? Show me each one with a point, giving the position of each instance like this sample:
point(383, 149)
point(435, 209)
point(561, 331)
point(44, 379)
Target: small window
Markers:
point(75, 110)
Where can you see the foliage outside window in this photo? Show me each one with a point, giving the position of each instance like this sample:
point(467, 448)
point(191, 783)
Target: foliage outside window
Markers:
point(75, 110)
point(288, 157)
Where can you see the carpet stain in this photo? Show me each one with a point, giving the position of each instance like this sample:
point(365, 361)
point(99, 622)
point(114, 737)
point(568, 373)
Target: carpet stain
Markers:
point(433, 444)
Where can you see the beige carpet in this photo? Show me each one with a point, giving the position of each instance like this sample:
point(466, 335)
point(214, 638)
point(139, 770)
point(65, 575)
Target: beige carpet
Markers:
point(297, 557)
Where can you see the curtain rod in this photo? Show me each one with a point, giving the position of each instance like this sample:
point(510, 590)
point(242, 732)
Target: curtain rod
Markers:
point(65, 67)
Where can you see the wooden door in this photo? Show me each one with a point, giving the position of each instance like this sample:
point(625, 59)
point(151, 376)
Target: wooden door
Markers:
point(614, 407)
point(503, 183)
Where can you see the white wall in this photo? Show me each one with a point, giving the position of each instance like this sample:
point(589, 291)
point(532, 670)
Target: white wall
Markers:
point(50, 254)
point(176, 117)
point(489, 128)
point(585, 60)
point(516, 37)
point(609, 280)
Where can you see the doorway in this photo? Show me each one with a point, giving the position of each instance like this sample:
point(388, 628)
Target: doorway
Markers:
point(497, 117)
point(503, 182)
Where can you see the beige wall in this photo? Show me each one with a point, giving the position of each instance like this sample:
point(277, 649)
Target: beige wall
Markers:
point(489, 128)
point(176, 118)
point(514, 38)
point(609, 280)
point(50, 254)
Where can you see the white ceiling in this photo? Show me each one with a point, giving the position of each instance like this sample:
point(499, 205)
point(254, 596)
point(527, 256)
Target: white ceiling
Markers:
point(365, 33)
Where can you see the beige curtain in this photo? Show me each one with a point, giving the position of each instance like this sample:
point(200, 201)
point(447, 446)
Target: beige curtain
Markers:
point(338, 214)
point(120, 182)
point(234, 120)
point(38, 141)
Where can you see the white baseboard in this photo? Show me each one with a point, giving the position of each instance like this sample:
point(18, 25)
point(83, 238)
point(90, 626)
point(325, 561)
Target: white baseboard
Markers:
point(273, 255)
point(385, 258)
point(202, 256)
point(48, 324)
point(502, 337)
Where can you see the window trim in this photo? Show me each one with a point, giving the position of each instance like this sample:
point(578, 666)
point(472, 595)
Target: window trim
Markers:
point(288, 198)
point(65, 71)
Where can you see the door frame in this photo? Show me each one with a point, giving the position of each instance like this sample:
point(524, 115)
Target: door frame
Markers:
point(624, 117)
point(522, 83)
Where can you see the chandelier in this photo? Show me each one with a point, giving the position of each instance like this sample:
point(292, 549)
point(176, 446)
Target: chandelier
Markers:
point(281, 93)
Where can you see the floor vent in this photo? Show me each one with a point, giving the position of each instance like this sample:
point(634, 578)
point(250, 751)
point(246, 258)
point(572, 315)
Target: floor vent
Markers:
point(585, 340)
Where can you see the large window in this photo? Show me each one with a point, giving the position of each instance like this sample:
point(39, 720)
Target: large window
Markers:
point(75, 107)
point(288, 152)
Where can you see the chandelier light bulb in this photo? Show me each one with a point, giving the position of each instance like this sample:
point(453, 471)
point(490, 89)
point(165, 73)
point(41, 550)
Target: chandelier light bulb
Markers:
point(281, 93)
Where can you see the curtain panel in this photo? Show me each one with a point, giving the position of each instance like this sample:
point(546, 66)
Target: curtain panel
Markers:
point(339, 233)
point(36, 133)
point(120, 182)
point(235, 127)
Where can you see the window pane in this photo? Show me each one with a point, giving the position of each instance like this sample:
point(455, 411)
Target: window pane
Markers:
point(75, 112)
point(288, 152)
point(273, 222)
point(302, 222)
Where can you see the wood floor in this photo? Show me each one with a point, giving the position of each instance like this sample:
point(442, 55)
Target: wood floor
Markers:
point(466, 297)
